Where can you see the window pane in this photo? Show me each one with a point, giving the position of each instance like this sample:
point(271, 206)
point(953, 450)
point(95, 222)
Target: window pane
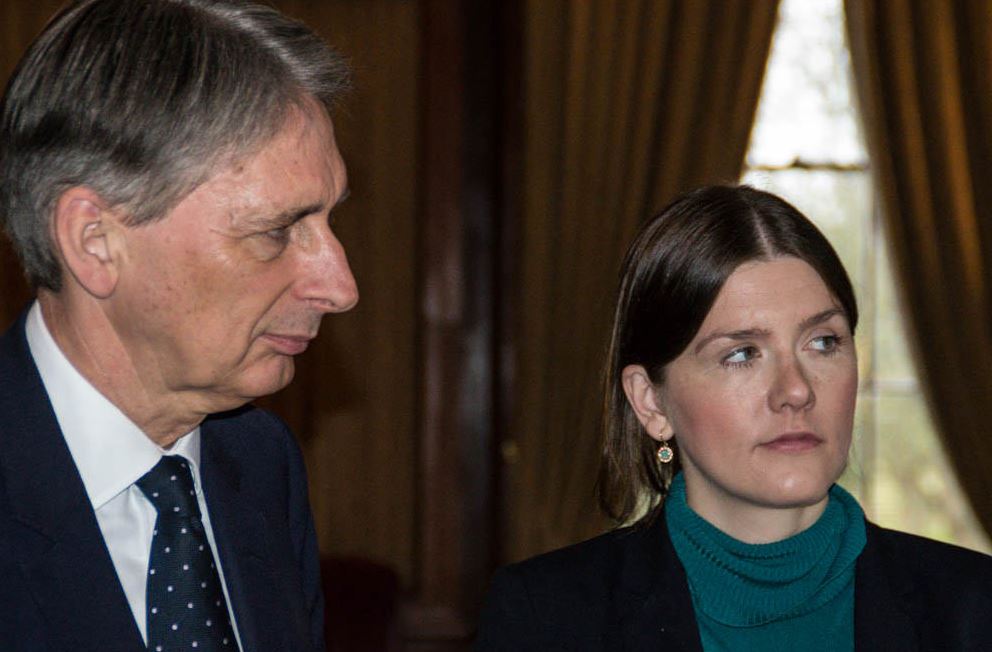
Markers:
point(840, 203)
point(914, 487)
point(893, 362)
point(806, 110)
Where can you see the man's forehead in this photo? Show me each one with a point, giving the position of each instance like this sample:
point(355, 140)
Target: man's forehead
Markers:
point(299, 170)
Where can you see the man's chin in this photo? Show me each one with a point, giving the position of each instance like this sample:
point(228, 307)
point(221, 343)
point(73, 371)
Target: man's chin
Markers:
point(264, 382)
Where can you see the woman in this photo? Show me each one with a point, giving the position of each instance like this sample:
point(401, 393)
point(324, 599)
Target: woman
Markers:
point(730, 393)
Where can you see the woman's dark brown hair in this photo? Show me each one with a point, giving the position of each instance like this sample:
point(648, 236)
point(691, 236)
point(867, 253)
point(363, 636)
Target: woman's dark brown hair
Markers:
point(669, 279)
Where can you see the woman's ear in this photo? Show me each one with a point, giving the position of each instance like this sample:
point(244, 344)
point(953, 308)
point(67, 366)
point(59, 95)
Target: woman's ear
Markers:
point(85, 229)
point(642, 396)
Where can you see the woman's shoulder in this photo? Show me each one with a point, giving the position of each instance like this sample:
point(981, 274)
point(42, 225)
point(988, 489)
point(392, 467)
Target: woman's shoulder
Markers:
point(924, 557)
point(934, 576)
point(587, 565)
point(570, 594)
point(936, 594)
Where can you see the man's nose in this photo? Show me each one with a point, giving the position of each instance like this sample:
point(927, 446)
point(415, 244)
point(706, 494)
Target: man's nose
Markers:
point(326, 281)
point(791, 387)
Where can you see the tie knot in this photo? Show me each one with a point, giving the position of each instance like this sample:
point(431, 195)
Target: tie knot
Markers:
point(169, 486)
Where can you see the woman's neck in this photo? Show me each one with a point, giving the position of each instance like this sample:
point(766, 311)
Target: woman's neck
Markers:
point(751, 522)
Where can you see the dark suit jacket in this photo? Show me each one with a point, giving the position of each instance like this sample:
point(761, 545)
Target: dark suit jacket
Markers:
point(626, 590)
point(58, 587)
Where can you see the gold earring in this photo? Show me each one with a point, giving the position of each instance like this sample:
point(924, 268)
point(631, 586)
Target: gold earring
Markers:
point(665, 453)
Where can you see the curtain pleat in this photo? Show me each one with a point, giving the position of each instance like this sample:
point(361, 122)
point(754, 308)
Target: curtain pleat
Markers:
point(922, 69)
point(624, 105)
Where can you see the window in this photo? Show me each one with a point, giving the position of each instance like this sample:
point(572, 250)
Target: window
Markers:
point(807, 147)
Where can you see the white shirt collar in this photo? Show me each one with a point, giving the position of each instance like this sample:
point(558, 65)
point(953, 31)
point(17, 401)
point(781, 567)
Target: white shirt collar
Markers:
point(110, 451)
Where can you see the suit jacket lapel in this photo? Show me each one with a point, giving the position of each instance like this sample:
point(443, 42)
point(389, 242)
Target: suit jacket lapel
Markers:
point(239, 532)
point(882, 603)
point(654, 608)
point(54, 530)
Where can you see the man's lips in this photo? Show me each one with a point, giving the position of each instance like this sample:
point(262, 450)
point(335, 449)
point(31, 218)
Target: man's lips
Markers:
point(793, 442)
point(288, 344)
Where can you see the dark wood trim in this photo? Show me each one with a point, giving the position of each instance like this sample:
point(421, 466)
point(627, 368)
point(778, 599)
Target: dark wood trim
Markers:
point(510, 143)
point(458, 247)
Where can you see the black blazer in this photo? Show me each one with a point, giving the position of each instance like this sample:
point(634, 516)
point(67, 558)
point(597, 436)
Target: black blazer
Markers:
point(58, 587)
point(626, 590)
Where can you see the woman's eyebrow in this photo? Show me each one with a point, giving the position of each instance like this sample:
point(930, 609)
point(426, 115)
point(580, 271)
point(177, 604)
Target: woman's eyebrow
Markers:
point(820, 317)
point(743, 334)
point(756, 333)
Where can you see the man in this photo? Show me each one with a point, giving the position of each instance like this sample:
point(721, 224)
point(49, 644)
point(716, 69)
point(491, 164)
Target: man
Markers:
point(167, 174)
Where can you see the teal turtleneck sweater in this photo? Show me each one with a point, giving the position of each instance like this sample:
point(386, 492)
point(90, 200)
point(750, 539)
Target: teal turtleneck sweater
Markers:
point(794, 594)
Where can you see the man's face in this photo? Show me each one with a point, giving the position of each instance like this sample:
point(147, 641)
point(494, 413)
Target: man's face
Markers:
point(216, 298)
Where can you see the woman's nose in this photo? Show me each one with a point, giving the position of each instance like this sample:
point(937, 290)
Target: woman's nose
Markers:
point(791, 387)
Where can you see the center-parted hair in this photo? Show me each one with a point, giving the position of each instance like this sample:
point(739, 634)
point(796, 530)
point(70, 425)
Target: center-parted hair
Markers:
point(669, 280)
point(141, 101)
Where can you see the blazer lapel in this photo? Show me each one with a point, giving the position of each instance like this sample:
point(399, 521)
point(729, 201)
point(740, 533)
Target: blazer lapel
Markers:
point(882, 603)
point(54, 531)
point(654, 609)
point(239, 532)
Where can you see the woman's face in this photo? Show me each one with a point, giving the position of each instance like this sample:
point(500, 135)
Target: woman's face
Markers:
point(761, 402)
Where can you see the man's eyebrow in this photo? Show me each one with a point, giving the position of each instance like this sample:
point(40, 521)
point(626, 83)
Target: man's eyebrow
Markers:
point(285, 218)
point(753, 333)
point(295, 214)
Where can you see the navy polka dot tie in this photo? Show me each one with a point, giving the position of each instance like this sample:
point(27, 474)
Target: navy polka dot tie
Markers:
point(185, 607)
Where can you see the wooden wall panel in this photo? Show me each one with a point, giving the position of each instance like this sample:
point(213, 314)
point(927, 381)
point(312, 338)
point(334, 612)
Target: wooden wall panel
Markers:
point(20, 22)
point(353, 403)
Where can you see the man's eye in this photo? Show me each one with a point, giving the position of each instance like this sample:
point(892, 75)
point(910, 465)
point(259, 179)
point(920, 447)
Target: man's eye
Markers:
point(278, 235)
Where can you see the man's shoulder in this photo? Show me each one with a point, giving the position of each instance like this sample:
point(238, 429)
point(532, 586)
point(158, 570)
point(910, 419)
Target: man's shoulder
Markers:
point(13, 344)
point(25, 410)
point(257, 439)
point(251, 427)
point(256, 420)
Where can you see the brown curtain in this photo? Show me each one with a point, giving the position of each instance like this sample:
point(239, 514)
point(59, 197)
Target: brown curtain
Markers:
point(624, 105)
point(924, 75)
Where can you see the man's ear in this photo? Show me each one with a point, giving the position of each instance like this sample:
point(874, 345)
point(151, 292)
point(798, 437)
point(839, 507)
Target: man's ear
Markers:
point(85, 231)
point(642, 396)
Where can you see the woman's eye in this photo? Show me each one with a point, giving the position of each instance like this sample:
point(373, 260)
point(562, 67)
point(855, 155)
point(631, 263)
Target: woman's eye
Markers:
point(825, 343)
point(741, 356)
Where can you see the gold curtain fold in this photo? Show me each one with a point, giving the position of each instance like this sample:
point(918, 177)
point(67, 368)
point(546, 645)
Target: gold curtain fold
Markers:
point(625, 104)
point(923, 70)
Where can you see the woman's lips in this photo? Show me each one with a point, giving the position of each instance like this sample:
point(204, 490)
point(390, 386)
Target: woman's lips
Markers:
point(288, 344)
point(794, 442)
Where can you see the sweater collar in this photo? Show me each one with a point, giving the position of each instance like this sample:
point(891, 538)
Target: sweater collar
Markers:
point(741, 584)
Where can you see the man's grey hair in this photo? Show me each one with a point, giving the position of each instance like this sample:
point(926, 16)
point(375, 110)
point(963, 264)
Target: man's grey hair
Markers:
point(141, 101)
